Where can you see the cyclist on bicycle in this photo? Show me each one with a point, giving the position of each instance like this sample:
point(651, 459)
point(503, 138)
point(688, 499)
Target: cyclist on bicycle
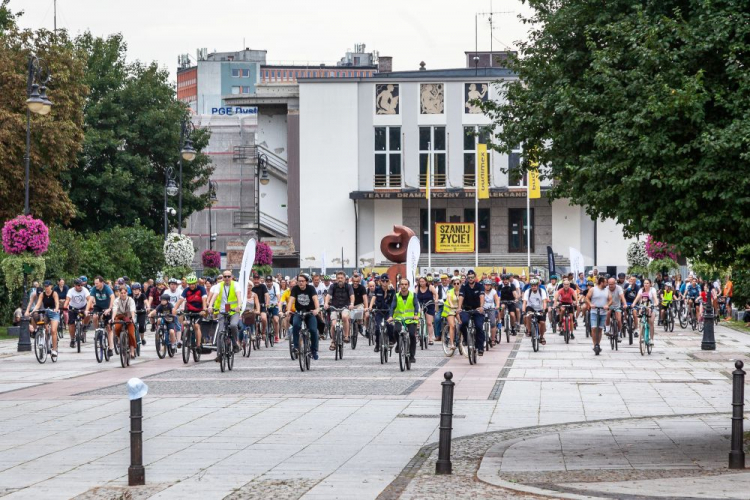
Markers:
point(341, 296)
point(123, 310)
point(75, 303)
point(381, 301)
point(491, 306)
point(509, 294)
point(304, 298)
point(141, 305)
point(425, 293)
point(666, 297)
point(649, 299)
point(618, 300)
point(286, 323)
point(165, 308)
point(693, 294)
point(449, 310)
point(598, 297)
point(274, 294)
point(565, 296)
point(471, 296)
point(360, 301)
point(194, 297)
point(405, 307)
point(228, 300)
point(535, 302)
point(261, 291)
point(49, 302)
point(101, 300)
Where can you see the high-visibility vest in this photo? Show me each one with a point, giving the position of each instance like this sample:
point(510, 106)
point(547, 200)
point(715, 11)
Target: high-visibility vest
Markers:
point(404, 309)
point(451, 303)
point(231, 298)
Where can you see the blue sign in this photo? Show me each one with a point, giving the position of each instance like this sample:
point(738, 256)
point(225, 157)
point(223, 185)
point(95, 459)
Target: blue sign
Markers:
point(235, 110)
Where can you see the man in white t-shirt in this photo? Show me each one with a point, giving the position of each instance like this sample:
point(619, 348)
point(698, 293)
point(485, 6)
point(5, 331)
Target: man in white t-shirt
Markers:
point(321, 290)
point(174, 293)
point(76, 301)
point(535, 301)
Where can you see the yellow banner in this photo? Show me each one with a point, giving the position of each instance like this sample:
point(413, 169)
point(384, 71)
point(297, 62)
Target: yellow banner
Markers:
point(483, 173)
point(454, 237)
point(535, 190)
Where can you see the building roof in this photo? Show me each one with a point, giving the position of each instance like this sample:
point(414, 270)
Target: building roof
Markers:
point(425, 75)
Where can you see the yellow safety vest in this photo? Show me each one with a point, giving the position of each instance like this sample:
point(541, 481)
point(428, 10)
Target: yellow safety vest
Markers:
point(404, 310)
point(450, 306)
point(231, 298)
point(667, 298)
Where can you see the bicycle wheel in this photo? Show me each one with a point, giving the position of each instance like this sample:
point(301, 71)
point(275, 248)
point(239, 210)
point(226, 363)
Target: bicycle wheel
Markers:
point(683, 318)
point(196, 352)
point(40, 345)
point(256, 342)
point(265, 338)
point(308, 352)
point(220, 346)
point(407, 350)
point(78, 336)
point(103, 344)
point(535, 337)
point(445, 339)
point(671, 322)
point(354, 335)
point(98, 348)
point(159, 344)
point(186, 344)
point(507, 326)
point(271, 337)
point(616, 333)
point(121, 349)
point(641, 338)
point(336, 340)
point(401, 352)
point(631, 328)
point(302, 354)
point(422, 328)
point(470, 344)
point(60, 328)
point(229, 352)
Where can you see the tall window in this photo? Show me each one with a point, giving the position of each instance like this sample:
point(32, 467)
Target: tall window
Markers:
point(516, 177)
point(473, 135)
point(432, 145)
point(388, 157)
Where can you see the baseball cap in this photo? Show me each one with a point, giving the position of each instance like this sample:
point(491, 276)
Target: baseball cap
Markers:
point(384, 277)
point(471, 273)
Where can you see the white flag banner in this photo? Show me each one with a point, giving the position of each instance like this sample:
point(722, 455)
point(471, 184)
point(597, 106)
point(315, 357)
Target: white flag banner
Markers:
point(412, 259)
point(246, 270)
point(323, 263)
point(576, 262)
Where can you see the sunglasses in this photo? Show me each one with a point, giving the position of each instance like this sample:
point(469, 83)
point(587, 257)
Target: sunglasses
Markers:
point(225, 277)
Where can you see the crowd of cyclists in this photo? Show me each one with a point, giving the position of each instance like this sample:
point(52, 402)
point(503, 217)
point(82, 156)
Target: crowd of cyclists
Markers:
point(440, 305)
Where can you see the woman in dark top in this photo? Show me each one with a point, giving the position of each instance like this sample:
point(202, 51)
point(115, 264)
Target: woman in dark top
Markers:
point(427, 293)
point(49, 304)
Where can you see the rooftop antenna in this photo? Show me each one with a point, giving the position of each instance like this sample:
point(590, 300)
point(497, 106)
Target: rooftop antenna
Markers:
point(489, 18)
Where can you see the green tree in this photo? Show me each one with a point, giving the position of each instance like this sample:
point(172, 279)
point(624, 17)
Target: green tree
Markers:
point(641, 112)
point(55, 138)
point(132, 124)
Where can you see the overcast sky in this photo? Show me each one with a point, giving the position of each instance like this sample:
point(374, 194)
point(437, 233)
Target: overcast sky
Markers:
point(316, 31)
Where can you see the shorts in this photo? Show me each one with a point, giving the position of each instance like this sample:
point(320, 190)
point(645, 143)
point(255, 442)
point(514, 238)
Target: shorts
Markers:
point(262, 308)
point(73, 314)
point(430, 310)
point(53, 316)
point(273, 310)
point(491, 314)
point(335, 314)
point(598, 319)
point(511, 307)
point(571, 306)
point(105, 317)
point(541, 317)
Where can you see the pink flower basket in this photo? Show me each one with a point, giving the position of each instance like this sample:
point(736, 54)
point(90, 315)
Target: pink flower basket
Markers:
point(25, 234)
point(263, 254)
point(211, 258)
point(657, 250)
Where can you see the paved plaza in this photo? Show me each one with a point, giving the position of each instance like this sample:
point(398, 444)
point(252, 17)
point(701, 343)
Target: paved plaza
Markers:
point(558, 423)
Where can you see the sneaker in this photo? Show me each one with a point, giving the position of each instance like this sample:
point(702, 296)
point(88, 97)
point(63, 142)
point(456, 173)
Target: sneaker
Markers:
point(635, 334)
point(597, 349)
point(143, 341)
point(572, 336)
point(276, 340)
point(72, 344)
point(109, 353)
point(481, 353)
point(619, 339)
point(412, 359)
point(315, 355)
point(398, 348)
point(53, 353)
point(561, 334)
point(153, 328)
point(235, 349)
point(377, 347)
point(217, 358)
point(179, 344)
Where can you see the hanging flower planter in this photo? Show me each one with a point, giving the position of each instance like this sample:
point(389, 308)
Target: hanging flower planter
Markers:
point(25, 240)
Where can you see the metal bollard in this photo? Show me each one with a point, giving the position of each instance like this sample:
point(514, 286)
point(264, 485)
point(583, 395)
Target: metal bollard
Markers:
point(737, 454)
point(709, 342)
point(136, 472)
point(443, 465)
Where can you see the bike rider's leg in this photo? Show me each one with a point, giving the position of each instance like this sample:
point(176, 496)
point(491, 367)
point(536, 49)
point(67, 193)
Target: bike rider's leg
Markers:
point(53, 332)
point(480, 340)
point(438, 324)
point(197, 333)
point(296, 326)
point(131, 334)
point(452, 330)
point(527, 322)
point(264, 322)
point(464, 325)
point(234, 321)
point(276, 329)
point(312, 325)
point(412, 328)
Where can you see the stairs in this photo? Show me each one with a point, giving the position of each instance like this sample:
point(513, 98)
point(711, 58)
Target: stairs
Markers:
point(458, 261)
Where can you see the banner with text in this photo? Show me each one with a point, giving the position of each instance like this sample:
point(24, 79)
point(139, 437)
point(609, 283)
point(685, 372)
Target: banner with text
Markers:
point(454, 237)
point(535, 190)
point(483, 173)
point(576, 262)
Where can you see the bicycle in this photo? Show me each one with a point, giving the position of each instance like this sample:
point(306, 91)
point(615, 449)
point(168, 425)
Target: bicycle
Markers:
point(681, 311)
point(507, 325)
point(587, 322)
point(43, 339)
point(257, 333)
point(138, 333)
point(693, 315)
point(100, 339)
point(471, 345)
point(290, 336)
point(567, 321)
point(270, 335)
point(669, 318)
point(247, 340)
point(385, 346)
point(645, 343)
point(189, 343)
point(629, 323)
point(124, 343)
point(614, 330)
point(161, 339)
point(61, 327)
point(422, 333)
point(224, 348)
point(79, 328)
point(487, 327)
point(403, 340)
point(449, 348)
point(304, 352)
point(553, 318)
point(535, 338)
point(338, 332)
point(355, 320)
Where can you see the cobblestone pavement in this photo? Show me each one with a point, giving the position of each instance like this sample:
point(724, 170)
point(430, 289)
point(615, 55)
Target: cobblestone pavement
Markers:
point(346, 429)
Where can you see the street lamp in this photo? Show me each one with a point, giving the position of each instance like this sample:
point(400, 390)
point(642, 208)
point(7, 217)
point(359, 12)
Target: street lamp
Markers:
point(212, 199)
point(261, 174)
point(37, 102)
point(170, 189)
point(187, 153)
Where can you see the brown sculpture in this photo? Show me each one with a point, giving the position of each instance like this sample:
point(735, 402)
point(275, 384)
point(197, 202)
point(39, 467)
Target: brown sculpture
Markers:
point(393, 246)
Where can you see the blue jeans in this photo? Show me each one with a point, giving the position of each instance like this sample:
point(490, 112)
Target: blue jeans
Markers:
point(438, 322)
point(478, 323)
point(597, 319)
point(312, 325)
point(379, 316)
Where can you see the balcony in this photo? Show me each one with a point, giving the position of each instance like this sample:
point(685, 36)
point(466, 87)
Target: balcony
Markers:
point(392, 181)
point(438, 180)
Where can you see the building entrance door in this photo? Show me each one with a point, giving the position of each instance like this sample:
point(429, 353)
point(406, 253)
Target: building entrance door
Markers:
point(517, 228)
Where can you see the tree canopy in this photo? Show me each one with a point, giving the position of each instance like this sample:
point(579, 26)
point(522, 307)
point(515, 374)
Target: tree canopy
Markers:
point(132, 127)
point(640, 111)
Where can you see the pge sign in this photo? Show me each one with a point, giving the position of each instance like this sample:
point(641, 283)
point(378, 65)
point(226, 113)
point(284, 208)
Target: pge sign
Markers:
point(235, 110)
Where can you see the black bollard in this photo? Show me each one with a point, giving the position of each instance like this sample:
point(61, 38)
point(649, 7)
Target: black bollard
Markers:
point(136, 472)
point(709, 342)
point(737, 454)
point(443, 465)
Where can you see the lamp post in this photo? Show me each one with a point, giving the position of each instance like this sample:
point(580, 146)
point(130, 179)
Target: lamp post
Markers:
point(212, 199)
point(261, 175)
point(36, 102)
point(187, 153)
point(170, 189)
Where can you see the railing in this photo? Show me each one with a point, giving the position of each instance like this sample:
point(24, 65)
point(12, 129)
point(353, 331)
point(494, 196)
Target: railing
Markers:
point(393, 181)
point(274, 160)
point(438, 180)
point(470, 180)
point(244, 154)
point(247, 219)
point(249, 156)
